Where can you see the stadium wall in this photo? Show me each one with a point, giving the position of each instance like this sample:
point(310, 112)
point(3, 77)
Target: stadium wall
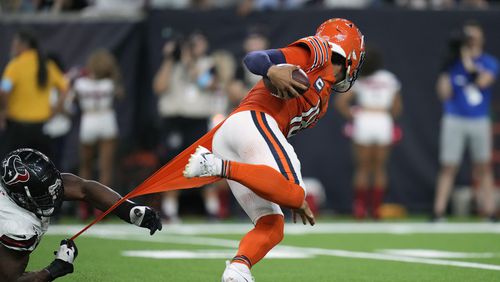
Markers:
point(412, 43)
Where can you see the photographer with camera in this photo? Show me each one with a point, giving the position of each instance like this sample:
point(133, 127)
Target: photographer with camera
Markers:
point(185, 85)
point(465, 86)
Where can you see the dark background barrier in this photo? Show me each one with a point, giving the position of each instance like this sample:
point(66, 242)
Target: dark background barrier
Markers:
point(412, 43)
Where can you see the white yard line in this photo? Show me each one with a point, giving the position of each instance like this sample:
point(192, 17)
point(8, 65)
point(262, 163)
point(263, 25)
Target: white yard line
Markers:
point(201, 241)
point(320, 228)
point(436, 254)
point(208, 254)
point(124, 232)
point(171, 235)
point(398, 258)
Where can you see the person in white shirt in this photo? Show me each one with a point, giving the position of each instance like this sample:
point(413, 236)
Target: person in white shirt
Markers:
point(96, 93)
point(378, 102)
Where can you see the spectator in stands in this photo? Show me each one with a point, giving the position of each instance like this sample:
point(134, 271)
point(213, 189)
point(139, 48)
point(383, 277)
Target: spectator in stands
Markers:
point(114, 7)
point(95, 94)
point(248, 6)
point(224, 69)
point(59, 124)
point(474, 4)
point(443, 4)
point(465, 86)
point(426, 4)
point(378, 102)
point(45, 5)
point(255, 40)
point(24, 94)
point(185, 85)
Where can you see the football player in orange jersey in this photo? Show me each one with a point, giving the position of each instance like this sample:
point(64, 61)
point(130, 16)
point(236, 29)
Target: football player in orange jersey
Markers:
point(251, 150)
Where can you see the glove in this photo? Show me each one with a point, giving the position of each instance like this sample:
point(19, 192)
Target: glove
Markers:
point(146, 217)
point(63, 264)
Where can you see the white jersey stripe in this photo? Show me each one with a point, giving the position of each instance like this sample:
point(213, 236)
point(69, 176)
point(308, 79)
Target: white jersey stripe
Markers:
point(327, 52)
point(315, 51)
point(318, 57)
point(322, 52)
point(321, 56)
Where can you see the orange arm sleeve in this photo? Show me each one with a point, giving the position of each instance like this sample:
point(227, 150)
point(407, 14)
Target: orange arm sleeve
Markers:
point(298, 55)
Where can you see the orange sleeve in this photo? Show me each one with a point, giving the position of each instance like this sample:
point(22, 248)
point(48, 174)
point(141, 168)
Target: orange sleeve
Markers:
point(309, 52)
point(297, 55)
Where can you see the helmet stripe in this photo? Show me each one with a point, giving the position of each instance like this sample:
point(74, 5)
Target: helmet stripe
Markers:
point(337, 49)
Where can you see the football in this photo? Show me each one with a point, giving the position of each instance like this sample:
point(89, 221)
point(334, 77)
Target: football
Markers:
point(298, 75)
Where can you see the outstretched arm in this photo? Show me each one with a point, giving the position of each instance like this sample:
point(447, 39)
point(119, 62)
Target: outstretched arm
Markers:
point(102, 197)
point(13, 264)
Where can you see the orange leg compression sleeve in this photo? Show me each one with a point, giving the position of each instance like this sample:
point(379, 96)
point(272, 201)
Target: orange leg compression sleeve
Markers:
point(268, 232)
point(266, 182)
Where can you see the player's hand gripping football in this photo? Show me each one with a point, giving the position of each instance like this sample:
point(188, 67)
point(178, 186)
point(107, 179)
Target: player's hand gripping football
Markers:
point(146, 217)
point(281, 77)
point(305, 214)
point(63, 263)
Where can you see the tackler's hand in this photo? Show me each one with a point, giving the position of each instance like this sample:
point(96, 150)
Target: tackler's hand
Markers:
point(146, 217)
point(63, 263)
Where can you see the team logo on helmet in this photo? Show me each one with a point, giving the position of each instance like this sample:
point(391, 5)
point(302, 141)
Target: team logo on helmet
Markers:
point(13, 171)
point(340, 37)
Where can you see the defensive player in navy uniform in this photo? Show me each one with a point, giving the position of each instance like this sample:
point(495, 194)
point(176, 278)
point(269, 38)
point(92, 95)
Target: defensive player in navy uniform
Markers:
point(31, 191)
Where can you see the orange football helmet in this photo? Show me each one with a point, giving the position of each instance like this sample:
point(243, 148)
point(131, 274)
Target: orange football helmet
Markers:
point(346, 40)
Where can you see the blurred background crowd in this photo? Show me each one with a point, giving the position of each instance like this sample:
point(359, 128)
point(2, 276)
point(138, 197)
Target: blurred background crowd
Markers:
point(243, 6)
point(117, 99)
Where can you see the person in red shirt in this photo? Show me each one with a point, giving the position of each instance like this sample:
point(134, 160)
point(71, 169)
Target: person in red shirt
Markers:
point(250, 149)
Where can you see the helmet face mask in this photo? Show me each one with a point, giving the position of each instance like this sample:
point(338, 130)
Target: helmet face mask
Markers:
point(32, 181)
point(346, 84)
point(44, 205)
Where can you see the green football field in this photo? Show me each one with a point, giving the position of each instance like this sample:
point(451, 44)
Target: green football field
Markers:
point(325, 252)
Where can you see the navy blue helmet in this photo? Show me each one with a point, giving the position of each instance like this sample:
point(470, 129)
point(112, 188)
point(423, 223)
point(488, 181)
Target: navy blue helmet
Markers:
point(32, 181)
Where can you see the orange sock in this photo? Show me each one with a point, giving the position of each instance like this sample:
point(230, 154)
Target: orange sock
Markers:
point(268, 232)
point(266, 182)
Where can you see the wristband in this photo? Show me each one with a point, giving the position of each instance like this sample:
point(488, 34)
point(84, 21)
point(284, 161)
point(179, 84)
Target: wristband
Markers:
point(59, 268)
point(123, 210)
